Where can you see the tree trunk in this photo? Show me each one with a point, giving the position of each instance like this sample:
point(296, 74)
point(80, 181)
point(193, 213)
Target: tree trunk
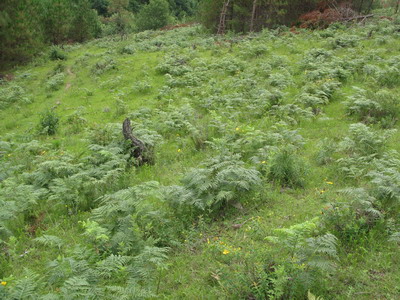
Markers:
point(397, 6)
point(253, 15)
point(138, 148)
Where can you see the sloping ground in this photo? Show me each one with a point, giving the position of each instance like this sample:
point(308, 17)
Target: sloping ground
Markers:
point(275, 168)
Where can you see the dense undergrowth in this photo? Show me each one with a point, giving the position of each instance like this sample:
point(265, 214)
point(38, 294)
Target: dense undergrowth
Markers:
point(276, 169)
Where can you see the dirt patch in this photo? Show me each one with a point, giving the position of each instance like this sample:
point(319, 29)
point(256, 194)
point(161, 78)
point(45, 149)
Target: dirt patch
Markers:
point(69, 72)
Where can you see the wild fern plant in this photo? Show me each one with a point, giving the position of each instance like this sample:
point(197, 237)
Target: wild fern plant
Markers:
point(309, 257)
point(287, 169)
point(222, 181)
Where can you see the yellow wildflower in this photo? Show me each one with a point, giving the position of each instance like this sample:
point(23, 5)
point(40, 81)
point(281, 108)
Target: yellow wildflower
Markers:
point(179, 150)
point(237, 128)
point(263, 162)
point(4, 283)
point(225, 252)
point(329, 182)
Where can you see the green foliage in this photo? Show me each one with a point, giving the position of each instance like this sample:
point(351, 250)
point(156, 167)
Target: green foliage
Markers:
point(326, 151)
point(363, 141)
point(30, 25)
point(103, 65)
point(311, 257)
point(12, 94)
point(68, 20)
point(382, 107)
point(223, 179)
point(76, 120)
point(19, 43)
point(344, 41)
point(48, 123)
point(352, 220)
point(154, 15)
point(287, 169)
point(55, 82)
point(239, 19)
point(57, 54)
point(50, 241)
point(120, 16)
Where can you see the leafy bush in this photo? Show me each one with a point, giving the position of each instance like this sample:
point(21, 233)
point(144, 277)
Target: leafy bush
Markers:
point(57, 54)
point(287, 169)
point(55, 82)
point(104, 65)
point(142, 87)
point(174, 65)
point(153, 16)
point(382, 107)
point(310, 257)
point(389, 77)
point(352, 219)
point(344, 41)
point(76, 120)
point(48, 123)
point(385, 184)
point(130, 49)
point(362, 141)
point(222, 181)
point(11, 94)
point(326, 150)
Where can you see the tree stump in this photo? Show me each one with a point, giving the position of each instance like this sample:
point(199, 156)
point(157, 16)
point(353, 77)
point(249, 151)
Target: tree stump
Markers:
point(138, 150)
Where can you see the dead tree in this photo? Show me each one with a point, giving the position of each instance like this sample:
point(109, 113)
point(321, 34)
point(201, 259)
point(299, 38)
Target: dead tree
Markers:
point(222, 18)
point(138, 149)
point(253, 15)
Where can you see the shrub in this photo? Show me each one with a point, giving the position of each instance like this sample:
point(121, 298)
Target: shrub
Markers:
point(354, 217)
point(362, 141)
point(76, 120)
point(48, 123)
point(55, 82)
point(142, 86)
point(57, 54)
point(382, 107)
point(153, 16)
point(389, 77)
point(287, 169)
point(103, 65)
point(306, 257)
point(130, 49)
point(12, 94)
point(326, 151)
point(223, 180)
point(344, 41)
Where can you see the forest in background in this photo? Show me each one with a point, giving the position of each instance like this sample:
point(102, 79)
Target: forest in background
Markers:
point(27, 27)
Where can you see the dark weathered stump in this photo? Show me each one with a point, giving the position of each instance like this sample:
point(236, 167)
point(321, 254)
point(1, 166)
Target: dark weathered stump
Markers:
point(139, 150)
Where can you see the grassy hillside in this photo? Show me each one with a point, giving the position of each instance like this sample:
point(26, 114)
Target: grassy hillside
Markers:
point(275, 174)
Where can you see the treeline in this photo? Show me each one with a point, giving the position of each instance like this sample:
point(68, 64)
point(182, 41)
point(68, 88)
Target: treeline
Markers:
point(28, 26)
point(254, 15)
